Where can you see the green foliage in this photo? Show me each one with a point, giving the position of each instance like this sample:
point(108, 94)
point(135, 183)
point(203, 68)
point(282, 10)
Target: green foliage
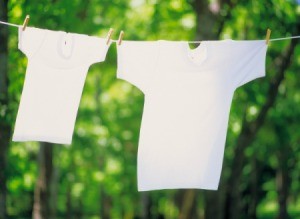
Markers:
point(100, 165)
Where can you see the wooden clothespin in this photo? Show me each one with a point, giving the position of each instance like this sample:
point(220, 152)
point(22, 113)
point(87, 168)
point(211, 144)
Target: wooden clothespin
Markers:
point(25, 22)
point(268, 36)
point(111, 30)
point(120, 37)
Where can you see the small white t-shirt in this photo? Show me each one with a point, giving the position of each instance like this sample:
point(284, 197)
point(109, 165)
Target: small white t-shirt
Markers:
point(57, 66)
point(188, 93)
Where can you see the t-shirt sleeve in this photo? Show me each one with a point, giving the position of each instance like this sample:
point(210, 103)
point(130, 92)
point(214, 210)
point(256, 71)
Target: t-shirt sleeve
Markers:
point(137, 63)
point(248, 59)
point(30, 40)
point(97, 47)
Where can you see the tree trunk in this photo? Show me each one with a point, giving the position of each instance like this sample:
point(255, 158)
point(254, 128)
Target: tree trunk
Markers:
point(188, 204)
point(43, 203)
point(282, 175)
point(146, 205)
point(204, 16)
point(282, 184)
point(254, 190)
point(5, 128)
point(213, 207)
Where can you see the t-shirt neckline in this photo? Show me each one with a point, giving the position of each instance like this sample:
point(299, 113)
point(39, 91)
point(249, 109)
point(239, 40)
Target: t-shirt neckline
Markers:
point(65, 38)
point(201, 48)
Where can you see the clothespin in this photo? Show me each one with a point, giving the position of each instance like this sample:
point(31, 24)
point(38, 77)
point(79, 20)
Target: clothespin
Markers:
point(111, 30)
point(25, 22)
point(120, 37)
point(268, 36)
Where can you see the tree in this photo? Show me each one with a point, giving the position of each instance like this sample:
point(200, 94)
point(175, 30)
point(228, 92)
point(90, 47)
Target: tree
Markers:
point(96, 175)
point(5, 123)
point(249, 131)
point(44, 204)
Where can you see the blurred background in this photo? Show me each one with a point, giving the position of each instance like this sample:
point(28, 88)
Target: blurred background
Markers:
point(95, 177)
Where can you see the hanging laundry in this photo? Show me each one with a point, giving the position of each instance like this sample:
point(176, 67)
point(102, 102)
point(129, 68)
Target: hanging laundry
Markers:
point(188, 93)
point(57, 66)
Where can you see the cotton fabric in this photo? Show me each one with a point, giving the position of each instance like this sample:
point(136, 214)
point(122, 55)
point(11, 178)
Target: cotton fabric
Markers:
point(188, 93)
point(57, 66)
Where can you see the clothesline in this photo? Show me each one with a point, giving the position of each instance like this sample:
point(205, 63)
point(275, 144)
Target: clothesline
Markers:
point(275, 39)
point(9, 24)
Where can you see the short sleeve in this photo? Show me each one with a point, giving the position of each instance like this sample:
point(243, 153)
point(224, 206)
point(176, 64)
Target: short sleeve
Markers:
point(137, 63)
point(30, 40)
point(248, 59)
point(97, 47)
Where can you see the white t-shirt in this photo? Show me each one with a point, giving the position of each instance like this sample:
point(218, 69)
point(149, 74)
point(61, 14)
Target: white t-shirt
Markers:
point(57, 66)
point(188, 93)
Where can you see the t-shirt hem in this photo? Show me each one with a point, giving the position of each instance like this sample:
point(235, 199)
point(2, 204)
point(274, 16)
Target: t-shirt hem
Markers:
point(17, 138)
point(143, 189)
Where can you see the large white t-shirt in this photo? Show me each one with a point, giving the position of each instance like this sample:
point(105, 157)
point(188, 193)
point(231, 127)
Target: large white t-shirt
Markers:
point(57, 66)
point(188, 93)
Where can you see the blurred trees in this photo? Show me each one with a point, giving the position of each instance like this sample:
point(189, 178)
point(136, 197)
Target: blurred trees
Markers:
point(5, 124)
point(95, 177)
